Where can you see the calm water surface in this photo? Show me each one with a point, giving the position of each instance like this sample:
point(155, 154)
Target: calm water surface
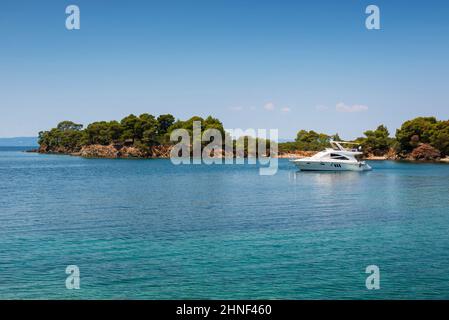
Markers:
point(149, 229)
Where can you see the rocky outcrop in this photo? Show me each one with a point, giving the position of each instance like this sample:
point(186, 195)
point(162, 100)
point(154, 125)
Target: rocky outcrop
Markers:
point(116, 151)
point(296, 154)
point(131, 152)
point(98, 151)
point(389, 155)
point(425, 152)
point(160, 151)
point(111, 151)
point(56, 150)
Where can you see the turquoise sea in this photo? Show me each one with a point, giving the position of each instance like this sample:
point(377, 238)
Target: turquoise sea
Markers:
point(146, 229)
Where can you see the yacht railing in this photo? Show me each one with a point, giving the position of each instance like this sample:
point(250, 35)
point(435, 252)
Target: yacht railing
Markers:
point(337, 145)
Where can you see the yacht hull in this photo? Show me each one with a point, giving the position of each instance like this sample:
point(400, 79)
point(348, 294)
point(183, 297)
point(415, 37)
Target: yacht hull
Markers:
point(331, 166)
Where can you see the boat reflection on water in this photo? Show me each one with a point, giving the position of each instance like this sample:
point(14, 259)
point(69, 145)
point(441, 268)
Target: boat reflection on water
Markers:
point(327, 178)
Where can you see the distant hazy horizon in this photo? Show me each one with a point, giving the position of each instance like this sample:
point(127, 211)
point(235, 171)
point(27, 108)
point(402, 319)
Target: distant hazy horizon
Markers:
point(18, 142)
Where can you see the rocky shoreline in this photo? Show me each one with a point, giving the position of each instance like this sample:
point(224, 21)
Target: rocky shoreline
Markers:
point(163, 152)
point(111, 152)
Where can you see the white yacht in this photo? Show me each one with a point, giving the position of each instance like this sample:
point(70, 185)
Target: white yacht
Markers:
point(336, 158)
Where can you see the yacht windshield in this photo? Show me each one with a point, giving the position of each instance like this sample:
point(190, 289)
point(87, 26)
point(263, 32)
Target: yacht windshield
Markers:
point(338, 156)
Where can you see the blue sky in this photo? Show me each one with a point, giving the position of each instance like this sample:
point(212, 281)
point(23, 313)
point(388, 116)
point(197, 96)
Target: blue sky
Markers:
point(252, 63)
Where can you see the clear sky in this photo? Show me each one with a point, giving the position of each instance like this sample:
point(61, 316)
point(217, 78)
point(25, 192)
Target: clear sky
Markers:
point(252, 63)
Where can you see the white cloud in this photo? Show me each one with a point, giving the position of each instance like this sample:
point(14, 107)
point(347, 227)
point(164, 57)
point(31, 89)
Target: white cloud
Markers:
point(269, 106)
point(341, 107)
point(321, 108)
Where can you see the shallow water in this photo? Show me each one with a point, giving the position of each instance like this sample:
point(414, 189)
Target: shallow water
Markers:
point(149, 229)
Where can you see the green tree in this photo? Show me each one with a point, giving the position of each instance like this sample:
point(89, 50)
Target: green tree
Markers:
point(208, 123)
point(130, 126)
point(69, 126)
point(67, 135)
point(103, 132)
point(165, 121)
point(416, 131)
point(377, 141)
point(336, 137)
point(439, 137)
point(147, 129)
point(311, 140)
point(214, 123)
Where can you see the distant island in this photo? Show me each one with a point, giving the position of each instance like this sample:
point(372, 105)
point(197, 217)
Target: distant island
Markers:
point(145, 136)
